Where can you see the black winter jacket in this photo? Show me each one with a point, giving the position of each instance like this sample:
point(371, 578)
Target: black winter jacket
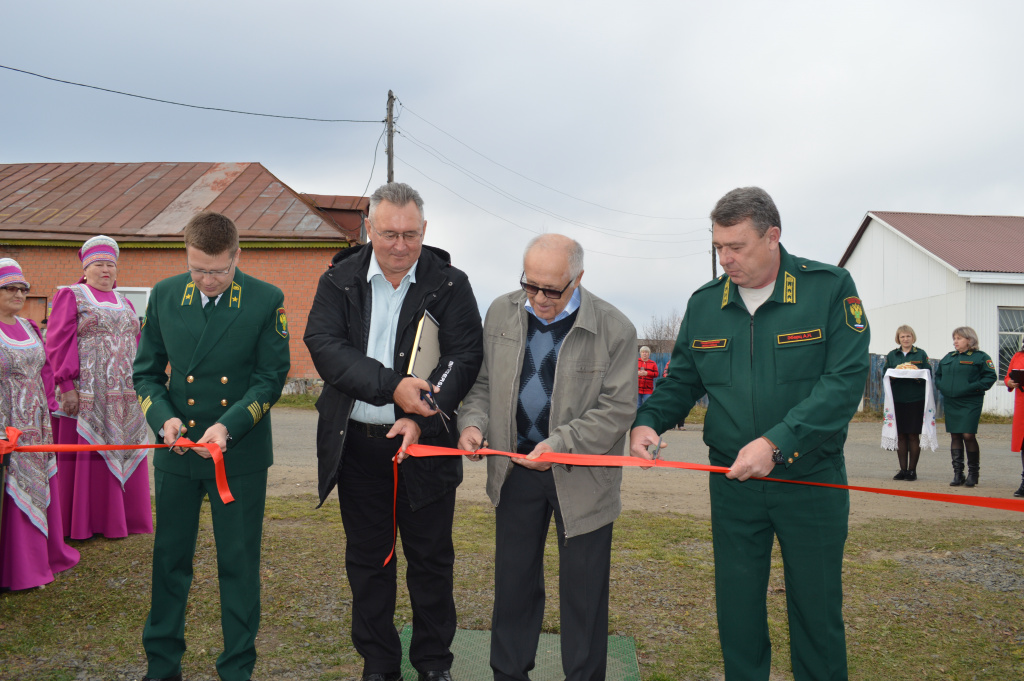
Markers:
point(337, 334)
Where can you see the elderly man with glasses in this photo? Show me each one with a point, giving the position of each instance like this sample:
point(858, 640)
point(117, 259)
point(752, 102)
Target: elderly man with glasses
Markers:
point(225, 335)
point(360, 334)
point(558, 376)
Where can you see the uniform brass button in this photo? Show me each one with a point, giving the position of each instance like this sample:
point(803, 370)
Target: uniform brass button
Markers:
point(796, 454)
point(223, 403)
point(223, 379)
point(191, 423)
point(190, 379)
point(191, 401)
point(790, 460)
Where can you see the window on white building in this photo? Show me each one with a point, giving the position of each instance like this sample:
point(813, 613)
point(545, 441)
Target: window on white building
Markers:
point(1011, 333)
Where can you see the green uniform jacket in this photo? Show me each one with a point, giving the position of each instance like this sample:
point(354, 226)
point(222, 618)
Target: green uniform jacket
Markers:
point(965, 374)
point(794, 372)
point(229, 369)
point(907, 389)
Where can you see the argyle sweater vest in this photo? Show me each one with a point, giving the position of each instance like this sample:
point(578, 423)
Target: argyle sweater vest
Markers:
point(537, 380)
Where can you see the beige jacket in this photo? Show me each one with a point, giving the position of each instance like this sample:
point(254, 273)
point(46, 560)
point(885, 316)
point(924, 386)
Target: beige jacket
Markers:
point(592, 405)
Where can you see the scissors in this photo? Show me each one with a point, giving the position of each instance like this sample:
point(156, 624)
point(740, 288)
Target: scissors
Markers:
point(429, 398)
point(655, 450)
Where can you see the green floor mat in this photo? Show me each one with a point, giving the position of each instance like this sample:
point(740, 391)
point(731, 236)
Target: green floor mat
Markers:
point(472, 650)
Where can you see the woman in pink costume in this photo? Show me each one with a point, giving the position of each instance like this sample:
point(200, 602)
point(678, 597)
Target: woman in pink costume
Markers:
point(32, 544)
point(91, 339)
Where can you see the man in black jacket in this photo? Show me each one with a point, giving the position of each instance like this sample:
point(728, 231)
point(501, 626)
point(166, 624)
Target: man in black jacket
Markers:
point(360, 333)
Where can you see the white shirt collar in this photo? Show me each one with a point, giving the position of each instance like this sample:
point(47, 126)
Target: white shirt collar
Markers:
point(374, 269)
point(572, 306)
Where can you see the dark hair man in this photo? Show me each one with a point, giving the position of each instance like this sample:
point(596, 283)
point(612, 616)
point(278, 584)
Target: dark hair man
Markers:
point(780, 346)
point(225, 336)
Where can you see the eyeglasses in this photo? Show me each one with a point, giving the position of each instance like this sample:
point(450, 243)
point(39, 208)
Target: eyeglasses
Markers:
point(550, 293)
point(411, 238)
point(212, 273)
point(16, 289)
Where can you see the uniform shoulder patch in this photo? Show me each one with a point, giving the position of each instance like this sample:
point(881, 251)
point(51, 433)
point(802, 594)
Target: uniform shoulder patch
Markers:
point(855, 317)
point(281, 322)
point(989, 363)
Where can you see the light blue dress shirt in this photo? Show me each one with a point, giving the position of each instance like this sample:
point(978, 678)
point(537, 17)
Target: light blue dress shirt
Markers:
point(387, 303)
point(574, 304)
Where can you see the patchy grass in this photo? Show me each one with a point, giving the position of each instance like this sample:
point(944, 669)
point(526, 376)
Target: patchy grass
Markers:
point(301, 401)
point(923, 600)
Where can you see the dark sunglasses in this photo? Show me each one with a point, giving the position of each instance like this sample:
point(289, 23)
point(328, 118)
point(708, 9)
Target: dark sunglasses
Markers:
point(13, 289)
point(550, 293)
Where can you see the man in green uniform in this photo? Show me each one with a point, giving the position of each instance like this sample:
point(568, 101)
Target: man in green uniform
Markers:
point(780, 346)
point(225, 335)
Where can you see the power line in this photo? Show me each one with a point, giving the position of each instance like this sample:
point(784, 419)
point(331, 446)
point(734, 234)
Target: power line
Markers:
point(190, 106)
point(532, 231)
point(540, 209)
point(537, 182)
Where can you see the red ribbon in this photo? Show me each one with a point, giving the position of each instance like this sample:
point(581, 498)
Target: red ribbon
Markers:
point(11, 445)
point(603, 460)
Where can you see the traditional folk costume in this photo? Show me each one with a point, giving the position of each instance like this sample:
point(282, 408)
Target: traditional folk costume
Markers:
point(32, 544)
point(91, 344)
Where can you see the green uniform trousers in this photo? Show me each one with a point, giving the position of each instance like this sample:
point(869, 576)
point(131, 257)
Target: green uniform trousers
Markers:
point(811, 524)
point(238, 533)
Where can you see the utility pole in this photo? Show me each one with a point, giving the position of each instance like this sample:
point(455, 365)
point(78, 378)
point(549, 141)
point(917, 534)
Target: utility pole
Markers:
point(391, 136)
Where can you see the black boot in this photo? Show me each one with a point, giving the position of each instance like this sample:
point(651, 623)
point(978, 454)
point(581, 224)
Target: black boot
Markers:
point(1020, 490)
point(958, 467)
point(973, 464)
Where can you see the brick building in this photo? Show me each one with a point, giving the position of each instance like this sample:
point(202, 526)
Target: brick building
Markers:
point(47, 210)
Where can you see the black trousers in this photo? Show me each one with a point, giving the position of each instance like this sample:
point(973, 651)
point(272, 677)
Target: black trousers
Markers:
point(528, 500)
point(365, 494)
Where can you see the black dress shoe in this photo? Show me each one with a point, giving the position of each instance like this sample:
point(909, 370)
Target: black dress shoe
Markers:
point(389, 676)
point(911, 476)
point(902, 475)
point(443, 675)
point(176, 677)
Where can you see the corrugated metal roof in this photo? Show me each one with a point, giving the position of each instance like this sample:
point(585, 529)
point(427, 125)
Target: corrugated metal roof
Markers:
point(346, 211)
point(152, 201)
point(968, 243)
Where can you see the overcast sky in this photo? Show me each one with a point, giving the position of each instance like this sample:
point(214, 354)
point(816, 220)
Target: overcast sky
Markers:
point(643, 108)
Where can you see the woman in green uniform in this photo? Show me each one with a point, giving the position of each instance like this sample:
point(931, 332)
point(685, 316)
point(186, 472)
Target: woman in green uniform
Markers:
point(908, 401)
point(962, 377)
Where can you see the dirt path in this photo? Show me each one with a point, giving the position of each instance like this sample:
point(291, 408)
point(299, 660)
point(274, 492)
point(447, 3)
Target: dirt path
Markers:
point(294, 472)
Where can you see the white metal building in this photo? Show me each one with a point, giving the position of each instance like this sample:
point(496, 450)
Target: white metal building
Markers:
point(937, 272)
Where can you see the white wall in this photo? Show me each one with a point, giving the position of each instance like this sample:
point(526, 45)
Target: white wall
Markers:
point(901, 284)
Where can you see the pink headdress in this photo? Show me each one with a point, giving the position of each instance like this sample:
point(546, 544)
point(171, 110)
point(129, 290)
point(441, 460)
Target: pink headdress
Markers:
point(98, 248)
point(10, 273)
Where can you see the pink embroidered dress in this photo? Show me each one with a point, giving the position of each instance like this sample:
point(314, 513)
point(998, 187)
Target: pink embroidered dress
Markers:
point(91, 342)
point(32, 544)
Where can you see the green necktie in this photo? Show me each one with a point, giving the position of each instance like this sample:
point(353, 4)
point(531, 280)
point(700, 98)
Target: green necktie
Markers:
point(208, 308)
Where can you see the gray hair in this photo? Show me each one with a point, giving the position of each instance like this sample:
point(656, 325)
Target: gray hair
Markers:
point(575, 251)
point(970, 334)
point(397, 194)
point(743, 203)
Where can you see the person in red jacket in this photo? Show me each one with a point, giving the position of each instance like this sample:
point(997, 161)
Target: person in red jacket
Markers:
point(1017, 437)
point(646, 371)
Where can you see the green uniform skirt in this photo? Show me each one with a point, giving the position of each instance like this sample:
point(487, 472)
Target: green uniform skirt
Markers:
point(963, 413)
